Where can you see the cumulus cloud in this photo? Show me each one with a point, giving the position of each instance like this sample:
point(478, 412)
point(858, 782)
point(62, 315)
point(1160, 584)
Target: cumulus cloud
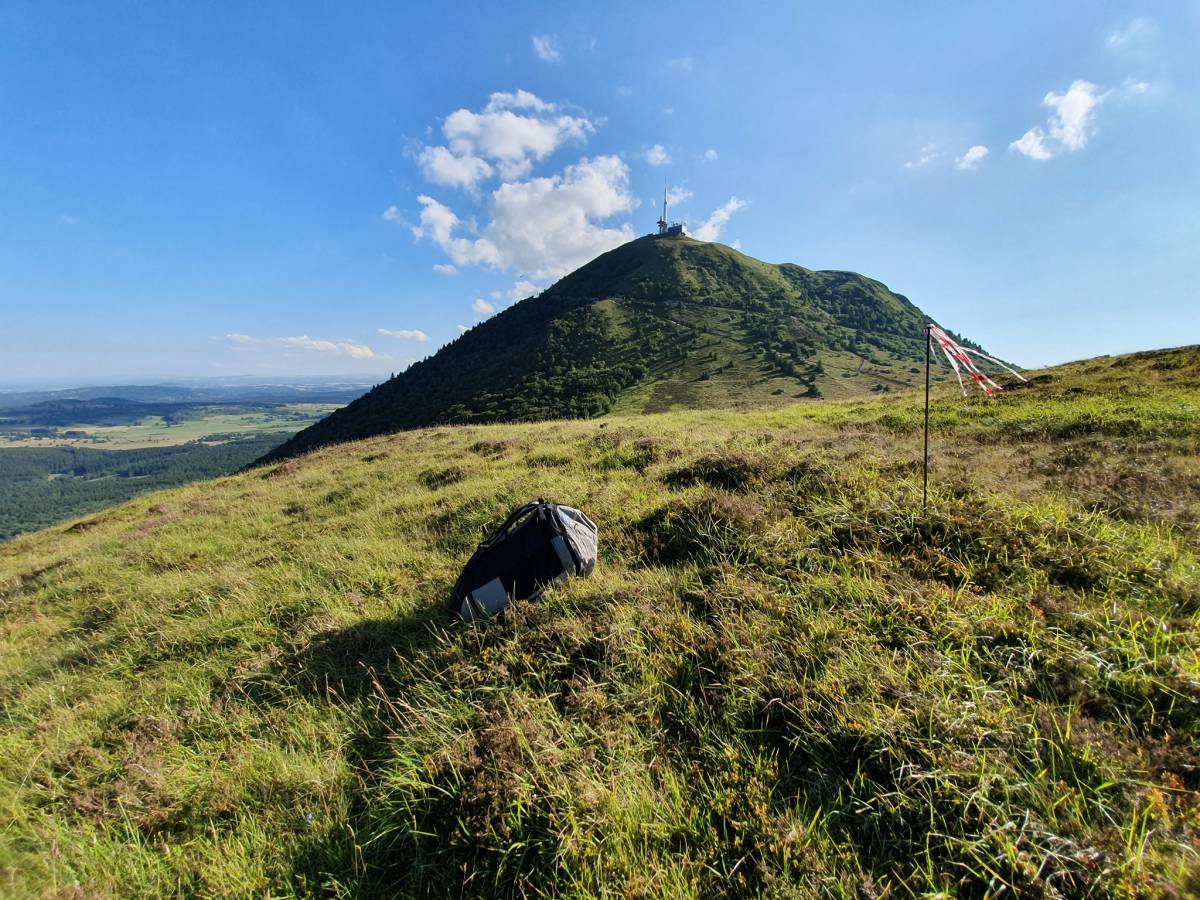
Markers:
point(711, 155)
point(543, 227)
point(546, 48)
point(1032, 144)
point(304, 342)
point(512, 132)
point(405, 334)
point(657, 155)
point(1069, 126)
point(927, 155)
point(712, 227)
point(971, 158)
point(441, 166)
point(445, 269)
point(1071, 123)
point(482, 308)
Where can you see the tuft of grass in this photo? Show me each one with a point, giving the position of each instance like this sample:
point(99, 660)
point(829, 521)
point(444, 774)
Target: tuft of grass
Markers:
point(783, 679)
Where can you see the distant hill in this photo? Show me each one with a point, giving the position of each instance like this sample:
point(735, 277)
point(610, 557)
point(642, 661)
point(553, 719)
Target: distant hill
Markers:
point(654, 325)
point(229, 390)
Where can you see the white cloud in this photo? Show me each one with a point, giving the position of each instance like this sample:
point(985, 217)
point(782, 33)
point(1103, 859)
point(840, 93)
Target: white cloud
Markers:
point(463, 329)
point(1032, 143)
point(1132, 32)
point(676, 194)
point(522, 289)
point(405, 334)
point(1070, 125)
point(1136, 88)
point(546, 48)
point(514, 131)
point(445, 269)
point(443, 167)
point(657, 155)
point(304, 342)
point(927, 155)
point(67, 219)
point(971, 158)
point(624, 91)
point(392, 214)
point(438, 222)
point(543, 227)
point(681, 64)
point(482, 308)
point(712, 227)
point(711, 155)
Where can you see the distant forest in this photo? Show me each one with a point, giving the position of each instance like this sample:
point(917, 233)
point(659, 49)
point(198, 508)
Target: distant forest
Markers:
point(40, 486)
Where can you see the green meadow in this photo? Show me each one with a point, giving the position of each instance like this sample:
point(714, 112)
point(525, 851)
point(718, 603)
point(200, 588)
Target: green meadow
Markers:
point(784, 679)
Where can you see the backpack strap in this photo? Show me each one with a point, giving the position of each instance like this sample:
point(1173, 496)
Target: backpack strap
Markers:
point(518, 514)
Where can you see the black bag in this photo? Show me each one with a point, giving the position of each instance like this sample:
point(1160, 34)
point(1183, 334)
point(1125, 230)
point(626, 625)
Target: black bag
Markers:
point(539, 544)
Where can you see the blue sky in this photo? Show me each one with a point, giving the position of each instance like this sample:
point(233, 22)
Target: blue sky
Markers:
point(208, 189)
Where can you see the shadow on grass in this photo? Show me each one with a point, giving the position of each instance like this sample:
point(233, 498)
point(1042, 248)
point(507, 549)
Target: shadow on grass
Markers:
point(362, 667)
point(348, 662)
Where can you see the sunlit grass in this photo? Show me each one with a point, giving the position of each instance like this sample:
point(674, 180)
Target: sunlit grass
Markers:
point(783, 679)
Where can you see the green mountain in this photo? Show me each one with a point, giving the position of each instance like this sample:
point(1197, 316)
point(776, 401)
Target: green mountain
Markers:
point(654, 325)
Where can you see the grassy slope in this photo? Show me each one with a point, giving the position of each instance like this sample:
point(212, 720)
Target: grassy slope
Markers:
point(783, 678)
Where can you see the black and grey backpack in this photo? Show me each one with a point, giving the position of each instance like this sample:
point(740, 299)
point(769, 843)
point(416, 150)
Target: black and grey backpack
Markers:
point(539, 544)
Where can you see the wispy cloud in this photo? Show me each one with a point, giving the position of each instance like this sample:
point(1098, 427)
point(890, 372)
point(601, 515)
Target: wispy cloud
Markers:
point(522, 289)
point(405, 334)
point(445, 269)
point(972, 158)
point(680, 64)
point(677, 194)
point(657, 155)
point(927, 155)
point(1135, 31)
point(304, 342)
point(546, 48)
point(711, 228)
point(67, 219)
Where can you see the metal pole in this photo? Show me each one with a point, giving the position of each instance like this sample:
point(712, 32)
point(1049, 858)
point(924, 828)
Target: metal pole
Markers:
point(925, 477)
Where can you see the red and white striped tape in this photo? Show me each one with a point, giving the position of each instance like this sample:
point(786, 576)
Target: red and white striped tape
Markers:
point(960, 361)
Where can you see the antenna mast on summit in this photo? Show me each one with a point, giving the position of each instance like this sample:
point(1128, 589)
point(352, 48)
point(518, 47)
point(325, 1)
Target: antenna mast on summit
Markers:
point(662, 223)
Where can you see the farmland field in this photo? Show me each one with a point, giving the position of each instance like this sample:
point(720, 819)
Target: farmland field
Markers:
point(54, 466)
point(156, 431)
